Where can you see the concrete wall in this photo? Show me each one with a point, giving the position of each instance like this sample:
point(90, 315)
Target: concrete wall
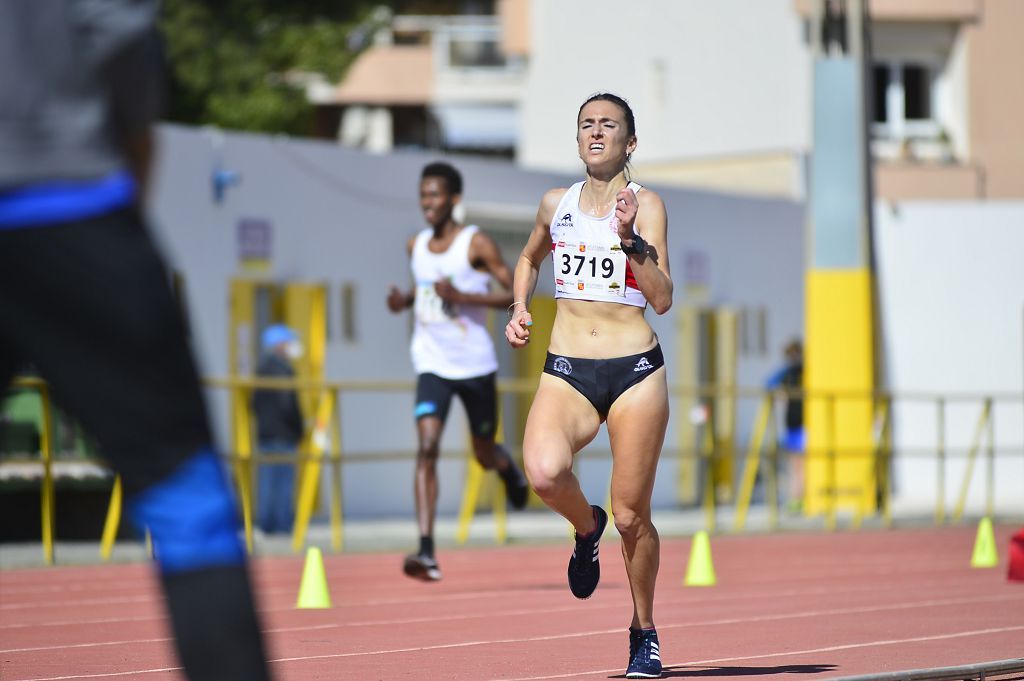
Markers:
point(704, 78)
point(341, 216)
point(952, 322)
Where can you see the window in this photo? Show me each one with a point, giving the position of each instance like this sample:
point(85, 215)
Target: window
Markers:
point(903, 100)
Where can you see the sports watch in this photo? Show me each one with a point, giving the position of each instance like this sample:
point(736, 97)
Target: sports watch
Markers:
point(639, 246)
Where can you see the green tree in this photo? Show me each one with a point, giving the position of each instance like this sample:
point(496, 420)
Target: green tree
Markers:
point(235, 63)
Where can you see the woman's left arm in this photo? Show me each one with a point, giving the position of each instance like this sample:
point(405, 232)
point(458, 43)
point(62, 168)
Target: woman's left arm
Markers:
point(651, 267)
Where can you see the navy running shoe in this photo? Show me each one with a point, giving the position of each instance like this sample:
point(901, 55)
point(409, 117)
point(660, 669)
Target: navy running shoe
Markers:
point(419, 566)
point(634, 643)
point(584, 567)
point(644, 656)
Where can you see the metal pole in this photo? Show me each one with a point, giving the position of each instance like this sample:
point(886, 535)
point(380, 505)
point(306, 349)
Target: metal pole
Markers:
point(940, 502)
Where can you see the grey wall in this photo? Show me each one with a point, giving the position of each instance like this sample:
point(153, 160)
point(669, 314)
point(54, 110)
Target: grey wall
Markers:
point(342, 216)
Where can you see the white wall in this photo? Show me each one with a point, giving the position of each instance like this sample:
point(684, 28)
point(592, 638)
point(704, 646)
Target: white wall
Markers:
point(951, 282)
point(704, 78)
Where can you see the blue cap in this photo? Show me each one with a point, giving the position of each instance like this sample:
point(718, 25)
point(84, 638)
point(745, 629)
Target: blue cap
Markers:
point(275, 334)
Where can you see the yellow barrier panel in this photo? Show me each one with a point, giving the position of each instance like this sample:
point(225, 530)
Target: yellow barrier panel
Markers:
point(986, 413)
point(310, 481)
point(113, 520)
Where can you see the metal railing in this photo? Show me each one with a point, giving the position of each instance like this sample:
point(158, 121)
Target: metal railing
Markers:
point(323, 446)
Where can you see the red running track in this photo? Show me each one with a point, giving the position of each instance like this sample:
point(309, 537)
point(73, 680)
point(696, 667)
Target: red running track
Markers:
point(816, 605)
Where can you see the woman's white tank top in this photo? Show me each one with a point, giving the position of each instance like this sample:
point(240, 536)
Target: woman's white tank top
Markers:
point(587, 257)
point(452, 341)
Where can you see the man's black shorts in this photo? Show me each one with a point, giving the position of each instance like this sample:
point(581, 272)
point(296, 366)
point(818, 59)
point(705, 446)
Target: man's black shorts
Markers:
point(89, 305)
point(478, 395)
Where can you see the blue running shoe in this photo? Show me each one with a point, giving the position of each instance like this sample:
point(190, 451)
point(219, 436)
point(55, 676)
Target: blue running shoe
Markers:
point(645, 655)
point(584, 567)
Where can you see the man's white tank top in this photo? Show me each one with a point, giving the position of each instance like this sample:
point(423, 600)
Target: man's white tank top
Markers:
point(451, 341)
point(587, 257)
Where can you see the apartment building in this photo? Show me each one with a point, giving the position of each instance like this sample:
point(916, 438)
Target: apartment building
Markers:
point(945, 113)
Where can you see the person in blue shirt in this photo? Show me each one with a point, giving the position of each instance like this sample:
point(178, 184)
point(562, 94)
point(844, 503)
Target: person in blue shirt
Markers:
point(279, 428)
point(788, 380)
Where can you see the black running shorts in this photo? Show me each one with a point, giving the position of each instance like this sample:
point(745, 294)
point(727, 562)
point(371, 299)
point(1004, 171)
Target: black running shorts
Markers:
point(478, 396)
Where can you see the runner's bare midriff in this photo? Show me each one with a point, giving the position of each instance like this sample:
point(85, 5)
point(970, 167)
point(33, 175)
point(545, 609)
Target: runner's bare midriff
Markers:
point(597, 330)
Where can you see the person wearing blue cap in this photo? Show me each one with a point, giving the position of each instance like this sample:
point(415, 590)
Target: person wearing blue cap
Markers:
point(279, 428)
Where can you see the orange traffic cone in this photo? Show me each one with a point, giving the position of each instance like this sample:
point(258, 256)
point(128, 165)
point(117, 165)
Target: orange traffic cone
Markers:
point(1015, 573)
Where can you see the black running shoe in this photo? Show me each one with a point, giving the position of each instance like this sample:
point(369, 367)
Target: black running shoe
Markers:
point(516, 487)
point(645, 655)
point(419, 566)
point(584, 567)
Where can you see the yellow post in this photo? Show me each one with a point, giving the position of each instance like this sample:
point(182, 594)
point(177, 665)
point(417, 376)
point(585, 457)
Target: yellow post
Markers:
point(47, 494)
point(241, 364)
point(688, 342)
point(830, 477)
point(310, 478)
point(971, 456)
point(772, 477)
point(337, 517)
point(470, 495)
point(752, 463)
point(113, 520)
point(241, 458)
point(990, 462)
point(708, 455)
point(473, 486)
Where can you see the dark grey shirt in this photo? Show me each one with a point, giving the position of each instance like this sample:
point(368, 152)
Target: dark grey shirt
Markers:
point(76, 78)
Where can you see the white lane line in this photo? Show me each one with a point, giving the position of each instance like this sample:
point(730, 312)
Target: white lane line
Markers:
point(808, 651)
point(467, 644)
point(661, 603)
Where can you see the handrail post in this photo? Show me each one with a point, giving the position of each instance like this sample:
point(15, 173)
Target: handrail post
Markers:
point(887, 463)
point(940, 501)
point(708, 456)
point(318, 441)
point(113, 520)
point(337, 500)
point(772, 482)
point(971, 456)
point(830, 520)
point(241, 459)
point(990, 458)
point(752, 464)
point(47, 495)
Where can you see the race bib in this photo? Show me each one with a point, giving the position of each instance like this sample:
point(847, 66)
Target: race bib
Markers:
point(586, 268)
point(429, 307)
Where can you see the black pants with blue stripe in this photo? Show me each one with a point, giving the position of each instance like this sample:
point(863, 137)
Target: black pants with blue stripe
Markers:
point(88, 305)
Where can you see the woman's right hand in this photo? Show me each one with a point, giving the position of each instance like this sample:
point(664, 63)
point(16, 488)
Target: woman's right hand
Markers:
point(517, 331)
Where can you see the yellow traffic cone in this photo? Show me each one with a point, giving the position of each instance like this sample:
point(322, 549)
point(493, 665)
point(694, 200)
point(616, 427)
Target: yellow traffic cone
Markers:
point(313, 591)
point(700, 571)
point(985, 555)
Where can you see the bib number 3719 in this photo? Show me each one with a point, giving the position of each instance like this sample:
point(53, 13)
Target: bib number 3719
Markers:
point(589, 268)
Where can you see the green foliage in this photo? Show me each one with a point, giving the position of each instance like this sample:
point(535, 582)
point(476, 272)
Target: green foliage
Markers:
point(233, 63)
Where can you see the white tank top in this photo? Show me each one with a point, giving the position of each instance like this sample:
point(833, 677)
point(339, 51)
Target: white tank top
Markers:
point(587, 257)
point(451, 341)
